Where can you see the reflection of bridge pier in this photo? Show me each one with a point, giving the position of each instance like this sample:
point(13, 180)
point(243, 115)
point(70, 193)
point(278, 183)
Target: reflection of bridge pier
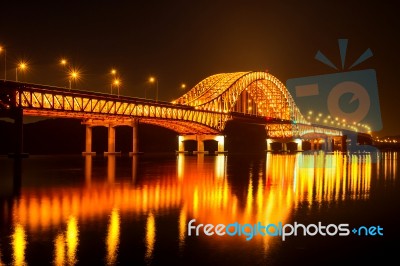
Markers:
point(88, 170)
point(111, 169)
point(200, 142)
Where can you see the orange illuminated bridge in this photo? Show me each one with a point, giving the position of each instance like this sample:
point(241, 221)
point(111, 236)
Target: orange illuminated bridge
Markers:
point(200, 114)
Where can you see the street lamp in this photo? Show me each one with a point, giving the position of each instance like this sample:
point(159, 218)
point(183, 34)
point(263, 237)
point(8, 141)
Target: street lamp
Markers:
point(116, 82)
point(5, 61)
point(63, 62)
point(73, 75)
point(183, 86)
point(113, 72)
point(152, 80)
point(22, 65)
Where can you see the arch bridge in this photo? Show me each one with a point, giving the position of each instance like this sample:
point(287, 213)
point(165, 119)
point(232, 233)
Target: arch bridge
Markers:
point(200, 114)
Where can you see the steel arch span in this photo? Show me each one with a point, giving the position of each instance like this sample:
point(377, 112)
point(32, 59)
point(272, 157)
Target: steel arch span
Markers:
point(248, 93)
point(252, 93)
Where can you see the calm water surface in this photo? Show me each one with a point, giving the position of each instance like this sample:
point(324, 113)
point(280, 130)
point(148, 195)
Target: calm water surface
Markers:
point(74, 210)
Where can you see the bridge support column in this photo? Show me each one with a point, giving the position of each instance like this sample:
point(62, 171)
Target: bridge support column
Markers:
point(221, 144)
point(312, 142)
point(111, 141)
point(19, 132)
point(328, 144)
point(344, 143)
point(88, 143)
point(135, 147)
point(200, 144)
point(284, 147)
point(181, 144)
point(269, 147)
point(18, 135)
point(299, 143)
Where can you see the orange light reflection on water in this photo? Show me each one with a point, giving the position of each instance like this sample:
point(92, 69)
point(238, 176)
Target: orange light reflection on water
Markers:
point(113, 235)
point(72, 240)
point(150, 236)
point(199, 188)
point(59, 250)
point(18, 243)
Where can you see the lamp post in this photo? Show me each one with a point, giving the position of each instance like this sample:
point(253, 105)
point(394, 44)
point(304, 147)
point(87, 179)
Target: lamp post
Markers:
point(73, 75)
point(117, 83)
point(64, 64)
point(22, 66)
point(113, 72)
point(5, 61)
point(152, 80)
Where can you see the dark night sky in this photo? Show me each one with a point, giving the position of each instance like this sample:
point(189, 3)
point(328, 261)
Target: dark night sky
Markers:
point(186, 41)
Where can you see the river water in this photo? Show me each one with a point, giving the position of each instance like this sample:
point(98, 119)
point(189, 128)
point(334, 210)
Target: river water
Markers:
point(75, 210)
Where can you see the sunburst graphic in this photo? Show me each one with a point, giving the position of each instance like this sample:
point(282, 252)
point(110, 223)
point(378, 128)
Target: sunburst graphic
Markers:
point(343, 49)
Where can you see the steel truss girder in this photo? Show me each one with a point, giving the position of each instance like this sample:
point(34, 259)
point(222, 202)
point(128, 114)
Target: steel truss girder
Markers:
point(89, 105)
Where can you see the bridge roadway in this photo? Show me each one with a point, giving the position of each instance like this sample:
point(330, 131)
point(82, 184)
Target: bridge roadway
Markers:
point(192, 122)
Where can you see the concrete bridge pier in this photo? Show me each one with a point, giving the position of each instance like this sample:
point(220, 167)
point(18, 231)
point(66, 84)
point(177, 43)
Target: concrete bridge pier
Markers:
point(18, 117)
point(200, 143)
point(314, 145)
point(88, 142)
point(284, 144)
point(269, 147)
point(344, 143)
point(19, 135)
point(284, 147)
point(135, 147)
point(111, 141)
point(299, 143)
point(181, 144)
point(328, 144)
point(221, 144)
